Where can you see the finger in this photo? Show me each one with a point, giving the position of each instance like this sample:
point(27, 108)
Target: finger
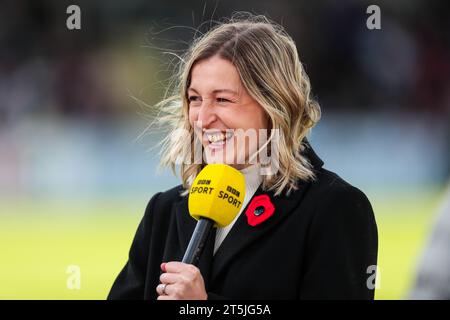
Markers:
point(170, 278)
point(164, 289)
point(160, 289)
point(178, 267)
point(163, 267)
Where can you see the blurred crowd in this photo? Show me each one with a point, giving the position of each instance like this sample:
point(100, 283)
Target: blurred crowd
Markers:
point(398, 76)
point(405, 66)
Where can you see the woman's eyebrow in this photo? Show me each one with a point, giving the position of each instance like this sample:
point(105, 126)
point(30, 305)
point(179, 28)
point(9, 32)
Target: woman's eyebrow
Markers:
point(217, 91)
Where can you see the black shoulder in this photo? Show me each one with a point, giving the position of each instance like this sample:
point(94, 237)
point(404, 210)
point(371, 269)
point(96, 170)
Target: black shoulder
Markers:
point(131, 282)
point(342, 241)
point(162, 201)
point(341, 205)
point(329, 187)
point(171, 195)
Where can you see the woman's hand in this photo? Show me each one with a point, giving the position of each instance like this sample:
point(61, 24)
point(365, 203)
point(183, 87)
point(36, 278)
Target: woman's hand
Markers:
point(181, 281)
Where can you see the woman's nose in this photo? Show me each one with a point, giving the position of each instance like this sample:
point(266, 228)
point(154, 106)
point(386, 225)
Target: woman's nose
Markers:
point(206, 113)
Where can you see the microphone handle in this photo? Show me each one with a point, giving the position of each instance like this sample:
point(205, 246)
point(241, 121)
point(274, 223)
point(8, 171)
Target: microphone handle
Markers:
point(197, 242)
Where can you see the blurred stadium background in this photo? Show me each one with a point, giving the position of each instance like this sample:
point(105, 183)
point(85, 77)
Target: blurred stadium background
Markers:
point(74, 181)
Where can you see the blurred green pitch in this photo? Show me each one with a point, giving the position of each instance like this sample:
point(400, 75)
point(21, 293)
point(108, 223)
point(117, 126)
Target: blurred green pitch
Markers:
point(40, 239)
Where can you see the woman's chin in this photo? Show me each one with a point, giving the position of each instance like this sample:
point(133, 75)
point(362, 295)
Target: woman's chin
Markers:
point(217, 155)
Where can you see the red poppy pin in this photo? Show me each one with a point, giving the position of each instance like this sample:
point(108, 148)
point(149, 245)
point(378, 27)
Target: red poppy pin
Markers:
point(259, 210)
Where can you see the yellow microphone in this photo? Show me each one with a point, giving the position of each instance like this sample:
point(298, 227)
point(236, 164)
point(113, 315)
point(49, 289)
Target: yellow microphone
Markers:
point(215, 198)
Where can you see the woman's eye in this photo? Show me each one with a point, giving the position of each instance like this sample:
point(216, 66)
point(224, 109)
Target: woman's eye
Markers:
point(193, 98)
point(222, 100)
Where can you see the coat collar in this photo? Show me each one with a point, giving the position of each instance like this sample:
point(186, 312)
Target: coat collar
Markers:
point(241, 234)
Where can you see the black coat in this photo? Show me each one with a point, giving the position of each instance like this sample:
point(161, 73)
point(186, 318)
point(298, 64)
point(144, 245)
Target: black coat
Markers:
point(318, 244)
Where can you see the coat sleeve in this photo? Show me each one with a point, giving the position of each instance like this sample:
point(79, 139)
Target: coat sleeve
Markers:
point(130, 282)
point(342, 247)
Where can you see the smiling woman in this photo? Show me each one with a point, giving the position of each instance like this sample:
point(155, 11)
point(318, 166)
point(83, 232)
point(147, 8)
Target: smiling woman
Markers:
point(213, 110)
point(302, 231)
point(242, 79)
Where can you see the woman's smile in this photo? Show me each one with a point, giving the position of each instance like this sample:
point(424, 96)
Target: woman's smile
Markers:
point(217, 140)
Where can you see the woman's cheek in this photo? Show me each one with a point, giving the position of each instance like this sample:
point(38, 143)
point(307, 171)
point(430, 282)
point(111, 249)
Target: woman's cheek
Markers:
point(192, 117)
point(230, 120)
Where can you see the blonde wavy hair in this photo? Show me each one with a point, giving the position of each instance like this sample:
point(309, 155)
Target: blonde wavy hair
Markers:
point(270, 69)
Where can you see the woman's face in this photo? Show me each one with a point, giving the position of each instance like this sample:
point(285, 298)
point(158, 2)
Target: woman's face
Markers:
point(218, 106)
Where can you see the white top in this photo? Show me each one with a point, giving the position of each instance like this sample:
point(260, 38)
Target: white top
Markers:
point(253, 179)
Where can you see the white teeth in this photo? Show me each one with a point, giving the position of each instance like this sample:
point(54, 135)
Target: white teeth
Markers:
point(216, 137)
